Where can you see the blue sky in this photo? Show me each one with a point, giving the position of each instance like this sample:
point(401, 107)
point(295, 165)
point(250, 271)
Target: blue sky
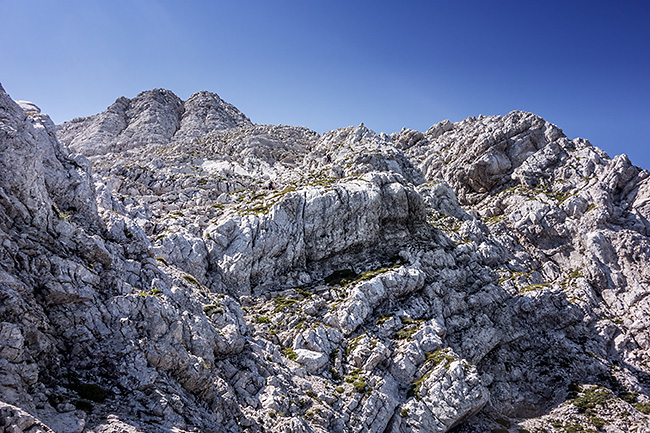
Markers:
point(584, 66)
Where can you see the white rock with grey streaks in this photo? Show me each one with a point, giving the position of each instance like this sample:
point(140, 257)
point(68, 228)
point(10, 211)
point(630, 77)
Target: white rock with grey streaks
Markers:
point(451, 393)
point(240, 277)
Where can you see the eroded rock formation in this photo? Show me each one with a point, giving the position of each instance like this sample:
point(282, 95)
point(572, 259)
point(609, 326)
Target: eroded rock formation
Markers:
point(168, 265)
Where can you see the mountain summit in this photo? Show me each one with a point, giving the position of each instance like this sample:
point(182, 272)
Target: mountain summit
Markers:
point(169, 265)
point(155, 116)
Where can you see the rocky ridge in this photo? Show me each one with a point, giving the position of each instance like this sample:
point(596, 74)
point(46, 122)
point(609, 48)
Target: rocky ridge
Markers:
point(184, 269)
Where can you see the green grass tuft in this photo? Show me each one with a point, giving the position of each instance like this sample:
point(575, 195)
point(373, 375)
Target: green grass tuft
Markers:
point(290, 353)
point(282, 303)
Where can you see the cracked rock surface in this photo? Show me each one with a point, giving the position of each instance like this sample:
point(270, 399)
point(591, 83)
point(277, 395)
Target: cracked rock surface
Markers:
point(168, 265)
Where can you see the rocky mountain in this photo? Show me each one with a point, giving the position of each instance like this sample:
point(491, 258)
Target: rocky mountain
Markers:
point(169, 266)
point(154, 117)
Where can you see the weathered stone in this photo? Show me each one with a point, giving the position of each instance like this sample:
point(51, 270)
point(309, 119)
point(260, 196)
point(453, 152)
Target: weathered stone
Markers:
point(197, 272)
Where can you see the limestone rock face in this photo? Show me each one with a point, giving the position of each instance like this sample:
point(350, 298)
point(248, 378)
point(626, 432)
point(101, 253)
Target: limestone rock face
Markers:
point(156, 116)
point(314, 227)
point(204, 113)
point(168, 265)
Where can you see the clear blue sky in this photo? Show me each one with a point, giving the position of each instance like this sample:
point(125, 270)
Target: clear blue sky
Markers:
point(584, 66)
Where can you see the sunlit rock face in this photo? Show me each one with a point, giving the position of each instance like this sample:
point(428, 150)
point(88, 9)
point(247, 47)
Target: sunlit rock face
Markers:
point(168, 265)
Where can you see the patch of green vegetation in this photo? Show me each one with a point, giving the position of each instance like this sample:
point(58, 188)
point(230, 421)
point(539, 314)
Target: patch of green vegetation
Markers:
point(577, 428)
point(516, 275)
point(304, 292)
point(258, 196)
point(301, 324)
point(313, 395)
point(162, 260)
point(559, 196)
point(339, 389)
point(570, 282)
point(325, 181)
point(439, 356)
point(190, 279)
point(336, 376)
point(357, 381)
point(382, 319)
point(591, 398)
point(414, 391)
point(591, 207)
point(406, 334)
point(597, 421)
point(404, 413)
point(217, 206)
point(361, 386)
point(570, 427)
point(256, 210)
point(511, 190)
point(352, 344)
point(575, 273)
point(282, 303)
point(368, 275)
point(444, 222)
point(211, 309)
point(644, 408)
point(533, 287)
point(262, 319)
point(152, 292)
point(494, 219)
point(503, 279)
point(273, 199)
point(290, 353)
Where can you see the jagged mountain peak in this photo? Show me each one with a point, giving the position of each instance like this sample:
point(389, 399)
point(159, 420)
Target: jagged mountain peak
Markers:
point(479, 155)
point(148, 99)
point(155, 116)
point(205, 113)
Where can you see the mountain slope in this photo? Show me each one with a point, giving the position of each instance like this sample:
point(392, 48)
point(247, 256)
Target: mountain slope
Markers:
point(486, 275)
